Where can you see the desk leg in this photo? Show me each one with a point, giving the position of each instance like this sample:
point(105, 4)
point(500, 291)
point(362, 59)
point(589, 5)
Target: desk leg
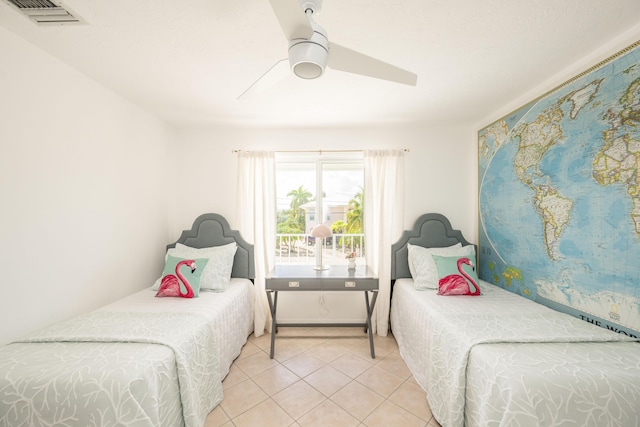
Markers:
point(369, 313)
point(273, 305)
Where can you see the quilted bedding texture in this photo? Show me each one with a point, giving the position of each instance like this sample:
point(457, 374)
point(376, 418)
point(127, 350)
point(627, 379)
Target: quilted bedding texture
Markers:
point(31, 393)
point(141, 361)
point(481, 360)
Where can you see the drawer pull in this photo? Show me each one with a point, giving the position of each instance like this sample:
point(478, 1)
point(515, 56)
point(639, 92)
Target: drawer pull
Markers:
point(294, 284)
point(349, 284)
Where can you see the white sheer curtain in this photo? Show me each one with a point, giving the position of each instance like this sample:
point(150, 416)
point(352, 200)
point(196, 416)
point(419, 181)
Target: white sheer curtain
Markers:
point(256, 214)
point(383, 222)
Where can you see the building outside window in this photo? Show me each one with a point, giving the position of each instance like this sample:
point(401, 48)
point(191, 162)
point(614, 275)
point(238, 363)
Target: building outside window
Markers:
point(317, 187)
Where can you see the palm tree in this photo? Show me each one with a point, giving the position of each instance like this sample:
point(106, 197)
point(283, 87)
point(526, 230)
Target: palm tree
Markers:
point(355, 214)
point(298, 198)
point(338, 227)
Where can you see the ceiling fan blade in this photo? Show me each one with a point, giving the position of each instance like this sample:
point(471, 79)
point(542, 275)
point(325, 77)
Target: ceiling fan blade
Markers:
point(350, 61)
point(292, 18)
point(275, 74)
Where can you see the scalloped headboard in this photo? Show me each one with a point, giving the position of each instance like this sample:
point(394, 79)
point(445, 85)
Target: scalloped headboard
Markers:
point(212, 229)
point(432, 230)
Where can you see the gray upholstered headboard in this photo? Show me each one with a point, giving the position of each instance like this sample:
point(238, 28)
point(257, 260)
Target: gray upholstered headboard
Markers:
point(430, 230)
point(211, 229)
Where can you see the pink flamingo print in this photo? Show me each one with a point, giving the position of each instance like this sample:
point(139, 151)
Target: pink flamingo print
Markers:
point(455, 284)
point(170, 286)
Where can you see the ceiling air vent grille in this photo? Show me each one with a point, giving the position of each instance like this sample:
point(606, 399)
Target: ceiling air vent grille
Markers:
point(45, 12)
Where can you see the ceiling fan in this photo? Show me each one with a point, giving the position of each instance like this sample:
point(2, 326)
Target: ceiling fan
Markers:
point(310, 50)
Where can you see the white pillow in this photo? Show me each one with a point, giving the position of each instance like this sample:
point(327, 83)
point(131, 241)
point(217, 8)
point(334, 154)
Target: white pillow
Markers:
point(422, 267)
point(217, 273)
point(417, 252)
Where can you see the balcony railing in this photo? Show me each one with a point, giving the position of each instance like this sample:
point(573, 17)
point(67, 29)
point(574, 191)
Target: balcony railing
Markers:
point(301, 248)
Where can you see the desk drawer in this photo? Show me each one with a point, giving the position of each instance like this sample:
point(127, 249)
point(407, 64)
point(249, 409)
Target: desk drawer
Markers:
point(350, 284)
point(293, 284)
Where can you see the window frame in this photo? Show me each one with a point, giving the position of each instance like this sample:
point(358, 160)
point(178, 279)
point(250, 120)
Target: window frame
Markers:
point(320, 159)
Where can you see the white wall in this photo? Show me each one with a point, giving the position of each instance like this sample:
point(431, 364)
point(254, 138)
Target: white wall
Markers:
point(83, 218)
point(441, 169)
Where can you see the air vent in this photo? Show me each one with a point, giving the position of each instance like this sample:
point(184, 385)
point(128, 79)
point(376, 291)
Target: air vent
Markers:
point(45, 12)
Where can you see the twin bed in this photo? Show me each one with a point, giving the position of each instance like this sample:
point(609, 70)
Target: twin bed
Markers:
point(141, 361)
point(499, 359)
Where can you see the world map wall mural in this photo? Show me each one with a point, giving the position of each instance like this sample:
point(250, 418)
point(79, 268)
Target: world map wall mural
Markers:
point(559, 196)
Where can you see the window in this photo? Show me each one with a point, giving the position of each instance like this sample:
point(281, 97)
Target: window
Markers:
point(319, 186)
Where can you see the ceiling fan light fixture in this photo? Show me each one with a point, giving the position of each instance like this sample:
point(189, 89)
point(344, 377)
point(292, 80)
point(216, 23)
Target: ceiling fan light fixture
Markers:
point(307, 59)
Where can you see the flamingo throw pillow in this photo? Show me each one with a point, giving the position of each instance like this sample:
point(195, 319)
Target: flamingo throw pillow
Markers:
point(181, 277)
point(456, 275)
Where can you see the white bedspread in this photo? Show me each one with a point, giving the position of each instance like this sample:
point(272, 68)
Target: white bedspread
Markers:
point(189, 336)
point(554, 384)
point(141, 361)
point(230, 311)
point(444, 341)
point(80, 384)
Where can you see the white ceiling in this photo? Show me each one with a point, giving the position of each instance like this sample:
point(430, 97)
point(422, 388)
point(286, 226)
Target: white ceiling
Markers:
point(187, 61)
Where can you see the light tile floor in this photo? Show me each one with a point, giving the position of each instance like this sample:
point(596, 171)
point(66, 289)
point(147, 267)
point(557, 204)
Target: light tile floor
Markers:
point(321, 377)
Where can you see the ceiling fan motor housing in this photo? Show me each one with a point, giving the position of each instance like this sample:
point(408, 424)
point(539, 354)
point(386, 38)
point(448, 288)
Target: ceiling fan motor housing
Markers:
point(308, 58)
